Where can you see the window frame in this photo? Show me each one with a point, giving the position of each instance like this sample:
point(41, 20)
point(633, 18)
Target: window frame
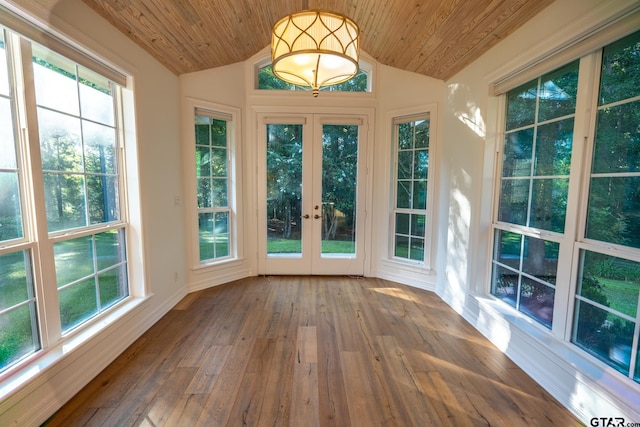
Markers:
point(233, 117)
point(427, 113)
point(573, 242)
point(213, 209)
point(36, 238)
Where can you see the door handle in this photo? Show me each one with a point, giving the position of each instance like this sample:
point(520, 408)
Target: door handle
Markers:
point(306, 216)
point(316, 216)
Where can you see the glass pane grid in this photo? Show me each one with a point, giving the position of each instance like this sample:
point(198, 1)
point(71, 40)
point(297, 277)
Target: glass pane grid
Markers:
point(524, 274)
point(606, 313)
point(76, 120)
point(536, 158)
point(412, 163)
point(19, 334)
point(614, 194)
point(91, 275)
point(212, 165)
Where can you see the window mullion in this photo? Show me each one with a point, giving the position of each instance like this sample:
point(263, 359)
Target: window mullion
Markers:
point(583, 137)
point(44, 265)
point(590, 83)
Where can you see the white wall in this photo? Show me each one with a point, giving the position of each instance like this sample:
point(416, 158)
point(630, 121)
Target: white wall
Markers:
point(220, 89)
point(465, 144)
point(156, 217)
point(587, 388)
point(399, 93)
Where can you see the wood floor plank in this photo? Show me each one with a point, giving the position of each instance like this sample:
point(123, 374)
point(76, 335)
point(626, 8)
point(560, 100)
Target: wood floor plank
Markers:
point(252, 391)
point(165, 400)
point(304, 396)
point(209, 369)
point(404, 387)
point(364, 409)
point(306, 351)
point(334, 411)
point(187, 410)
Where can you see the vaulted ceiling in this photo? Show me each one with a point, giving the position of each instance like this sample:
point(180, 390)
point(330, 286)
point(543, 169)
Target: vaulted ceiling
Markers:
point(436, 38)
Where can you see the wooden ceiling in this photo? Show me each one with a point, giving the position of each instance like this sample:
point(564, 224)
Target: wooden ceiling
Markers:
point(436, 38)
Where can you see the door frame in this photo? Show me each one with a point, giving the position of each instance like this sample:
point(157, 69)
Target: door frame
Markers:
point(315, 118)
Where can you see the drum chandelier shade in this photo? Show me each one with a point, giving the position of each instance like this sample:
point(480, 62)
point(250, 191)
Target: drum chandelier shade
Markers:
point(315, 48)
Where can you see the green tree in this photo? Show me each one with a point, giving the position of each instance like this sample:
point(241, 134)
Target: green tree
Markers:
point(339, 177)
point(284, 177)
point(64, 190)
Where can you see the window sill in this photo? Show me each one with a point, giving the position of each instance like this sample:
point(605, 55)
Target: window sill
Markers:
point(225, 263)
point(587, 386)
point(408, 265)
point(35, 365)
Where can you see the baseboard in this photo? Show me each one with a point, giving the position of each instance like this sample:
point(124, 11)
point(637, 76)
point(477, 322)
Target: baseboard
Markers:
point(406, 275)
point(35, 401)
point(221, 276)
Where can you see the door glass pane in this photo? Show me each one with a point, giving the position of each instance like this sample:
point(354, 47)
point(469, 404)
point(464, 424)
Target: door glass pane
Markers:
point(339, 189)
point(284, 189)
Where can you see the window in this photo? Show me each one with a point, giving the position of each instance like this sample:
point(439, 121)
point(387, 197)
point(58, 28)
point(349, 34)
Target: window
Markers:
point(411, 136)
point(534, 188)
point(549, 228)
point(213, 167)
point(18, 315)
point(606, 313)
point(359, 83)
point(61, 195)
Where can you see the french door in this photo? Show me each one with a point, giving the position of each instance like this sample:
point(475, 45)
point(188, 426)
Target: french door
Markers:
point(311, 192)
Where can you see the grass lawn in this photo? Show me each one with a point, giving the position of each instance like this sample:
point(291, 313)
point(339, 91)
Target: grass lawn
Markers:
point(622, 296)
point(75, 260)
point(288, 246)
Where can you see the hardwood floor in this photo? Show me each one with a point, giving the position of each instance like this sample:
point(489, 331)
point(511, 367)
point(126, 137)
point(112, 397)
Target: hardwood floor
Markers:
point(312, 351)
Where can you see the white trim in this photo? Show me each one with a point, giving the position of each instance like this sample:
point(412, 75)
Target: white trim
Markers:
point(610, 20)
point(392, 119)
point(29, 27)
point(313, 118)
point(583, 385)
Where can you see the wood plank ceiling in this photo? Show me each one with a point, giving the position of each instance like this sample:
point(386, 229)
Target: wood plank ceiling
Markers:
point(436, 38)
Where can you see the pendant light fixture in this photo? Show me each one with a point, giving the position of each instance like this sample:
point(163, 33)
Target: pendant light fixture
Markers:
point(315, 48)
